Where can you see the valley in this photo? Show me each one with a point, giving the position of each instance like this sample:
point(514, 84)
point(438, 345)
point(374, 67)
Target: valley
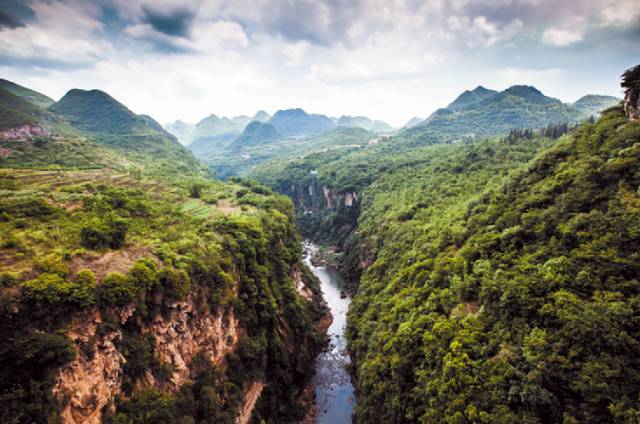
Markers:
point(484, 263)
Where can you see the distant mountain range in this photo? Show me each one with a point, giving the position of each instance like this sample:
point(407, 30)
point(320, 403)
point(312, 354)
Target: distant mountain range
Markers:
point(298, 123)
point(215, 134)
point(181, 130)
point(363, 122)
point(482, 112)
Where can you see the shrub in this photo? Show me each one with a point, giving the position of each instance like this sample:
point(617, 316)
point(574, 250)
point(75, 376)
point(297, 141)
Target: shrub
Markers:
point(85, 277)
point(195, 191)
point(47, 288)
point(116, 289)
point(52, 264)
point(106, 233)
point(176, 283)
point(8, 278)
point(143, 273)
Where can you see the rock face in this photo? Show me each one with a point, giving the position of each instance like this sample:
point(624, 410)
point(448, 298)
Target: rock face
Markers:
point(23, 132)
point(91, 380)
point(181, 332)
point(251, 397)
point(631, 85)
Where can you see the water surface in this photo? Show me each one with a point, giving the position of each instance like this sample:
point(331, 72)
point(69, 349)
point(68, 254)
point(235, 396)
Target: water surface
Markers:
point(335, 395)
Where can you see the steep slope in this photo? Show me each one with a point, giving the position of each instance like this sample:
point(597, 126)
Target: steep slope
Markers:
point(513, 305)
point(469, 98)
point(27, 94)
point(16, 112)
point(95, 111)
point(255, 134)
point(298, 123)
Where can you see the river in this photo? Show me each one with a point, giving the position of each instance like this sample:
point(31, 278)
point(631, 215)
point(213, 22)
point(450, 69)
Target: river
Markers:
point(334, 393)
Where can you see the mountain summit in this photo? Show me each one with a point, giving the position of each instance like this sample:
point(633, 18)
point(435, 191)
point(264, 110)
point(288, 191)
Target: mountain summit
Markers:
point(467, 98)
point(298, 123)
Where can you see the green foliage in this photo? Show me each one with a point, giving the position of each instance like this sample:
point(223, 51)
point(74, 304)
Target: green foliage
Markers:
point(107, 233)
point(28, 361)
point(8, 278)
point(30, 96)
point(503, 297)
point(495, 113)
point(116, 289)
point(239, 159)
point(195, 191)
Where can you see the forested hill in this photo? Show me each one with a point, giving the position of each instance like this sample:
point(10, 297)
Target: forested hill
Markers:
point(485, 113)
point(514, 304)
point(85, 129)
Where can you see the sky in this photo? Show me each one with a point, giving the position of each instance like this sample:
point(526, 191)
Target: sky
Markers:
point(385, 59)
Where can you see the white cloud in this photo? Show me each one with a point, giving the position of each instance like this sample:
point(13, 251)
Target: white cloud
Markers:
point(390, 59)
point(560, 37)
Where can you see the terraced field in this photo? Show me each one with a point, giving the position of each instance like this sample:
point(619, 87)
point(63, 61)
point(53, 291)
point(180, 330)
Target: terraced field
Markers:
point(15, 181)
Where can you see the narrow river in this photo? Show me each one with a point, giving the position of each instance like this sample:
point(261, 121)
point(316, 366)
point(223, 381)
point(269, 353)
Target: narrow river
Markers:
point(335, 395)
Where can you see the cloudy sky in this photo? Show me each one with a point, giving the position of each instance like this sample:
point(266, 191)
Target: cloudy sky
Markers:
point(387, 59)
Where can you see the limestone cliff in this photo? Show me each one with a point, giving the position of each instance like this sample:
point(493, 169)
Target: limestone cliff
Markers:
point(95, 377)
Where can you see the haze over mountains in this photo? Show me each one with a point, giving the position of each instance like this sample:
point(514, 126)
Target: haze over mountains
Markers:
point(474, 114)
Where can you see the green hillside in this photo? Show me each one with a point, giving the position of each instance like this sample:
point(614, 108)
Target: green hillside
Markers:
point(298, 123)
point(592, 105)
point(489, 114)
point(243, 161)
point(255, 134)
point(110, 228)
point(83, 244)
point(27, 94)
point(495, 298)
point(137, 139)
point(15, 111)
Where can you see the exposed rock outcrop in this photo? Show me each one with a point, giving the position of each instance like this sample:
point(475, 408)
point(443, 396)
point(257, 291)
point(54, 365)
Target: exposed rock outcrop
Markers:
point(180, 332)
point(251, 397)
point(631, 85)
point(184, 332)
point(23, 132)
point(95, 376)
